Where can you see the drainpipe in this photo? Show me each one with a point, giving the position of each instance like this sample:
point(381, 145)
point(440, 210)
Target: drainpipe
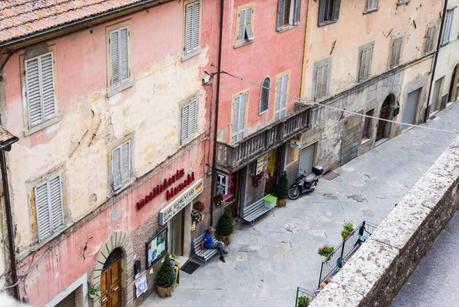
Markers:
point(434, 67)
point(6, 146)
point(217, 102)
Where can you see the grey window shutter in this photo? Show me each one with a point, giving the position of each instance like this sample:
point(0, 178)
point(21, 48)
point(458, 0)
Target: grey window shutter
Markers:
point(297, 12)
point(317, 79)
point(116, 168)
point(196, 25)
point(43, 215)
point(241, 26)
point(322, 9)
point(192, 26)
point(242, 108)
point(115, 78)
point(125, 162)
point(280, 14)
point(284, 94)
point(185, 114)
point(55, 202)
point(33, 92)
point(248, 24)
point(193, 126)
point(396, 51)
point(235, 123)
point(361, 64)
point(124, 56)
point(48, 86)
point(336, 8)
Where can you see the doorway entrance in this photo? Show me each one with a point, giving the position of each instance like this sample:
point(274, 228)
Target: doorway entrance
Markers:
point(410, 109)
point(454, 84)
point(272, 171)
point(436, 97)
point(384, 127)
point(307, 155)
point(110, 280)
point(176, 234)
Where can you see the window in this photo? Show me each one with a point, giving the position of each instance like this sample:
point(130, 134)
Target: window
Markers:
point(328, 11)
point(239, 107)
point(264, 95)
point(429, 39)
point(321, 79)
point(395, 52)
point(192, 27)
point(119, 58)
point(121, 165)
point(399, 2)
point(281, 96)
point(288, 13)
point(48, 202)
point(372, 5)
point(40, 89)
point(447, 27)
point(365, 60)
point(189, 120)
point(366, 132)
point(245, 30)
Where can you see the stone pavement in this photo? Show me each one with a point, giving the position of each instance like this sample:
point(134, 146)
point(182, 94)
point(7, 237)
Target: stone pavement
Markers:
point(435, 280)
point(269, 259)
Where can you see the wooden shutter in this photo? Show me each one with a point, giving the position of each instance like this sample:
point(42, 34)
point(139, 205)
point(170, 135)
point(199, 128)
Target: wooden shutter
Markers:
point(47, 85)
point(123, 53)
point(125, 162)
point(116, 168)
point(192, 26)
point(365, 60)
point(43, 214)
point(115, 78)
point(396, 51)
point(241, 26)
point(336, 8)
point(429, 39)
point(297, 12)
point(280, 14)
point(248, 24)
point(55, 202)
point(321, 78)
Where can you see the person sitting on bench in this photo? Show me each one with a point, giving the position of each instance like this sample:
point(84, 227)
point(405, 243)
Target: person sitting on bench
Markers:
point(210, 242)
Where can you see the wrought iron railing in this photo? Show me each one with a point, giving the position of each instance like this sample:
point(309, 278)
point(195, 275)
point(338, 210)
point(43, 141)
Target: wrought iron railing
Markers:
point(303, 297)
point(233, 157)
point(345, 250)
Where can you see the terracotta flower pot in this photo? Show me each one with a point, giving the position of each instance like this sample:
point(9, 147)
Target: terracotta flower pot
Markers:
point(164, 292)
point(281, 203)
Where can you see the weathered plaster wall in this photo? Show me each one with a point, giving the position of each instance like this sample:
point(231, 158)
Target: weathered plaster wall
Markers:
point(341, 40)
point(378, 270)
point(270, 54)
point(90, 124)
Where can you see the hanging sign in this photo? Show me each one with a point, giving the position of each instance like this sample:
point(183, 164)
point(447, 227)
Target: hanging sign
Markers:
point(181, 202)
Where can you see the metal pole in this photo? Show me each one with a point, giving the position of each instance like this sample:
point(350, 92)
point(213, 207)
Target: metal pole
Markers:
point(320, 274)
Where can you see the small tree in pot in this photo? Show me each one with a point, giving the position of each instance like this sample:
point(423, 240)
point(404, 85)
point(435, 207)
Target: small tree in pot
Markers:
point(225, 227)
point(282, 190)
point(165, 279)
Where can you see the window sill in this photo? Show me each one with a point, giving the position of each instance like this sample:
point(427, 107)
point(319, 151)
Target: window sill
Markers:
point(187, 56)
point(243, 43)
point(189, 140)
point(124, 187)
point(366, 12)
point(42, 126)
point(403, 3)
point(326, 23)
point(263, 113)
point(113, 91)
point(285, 28)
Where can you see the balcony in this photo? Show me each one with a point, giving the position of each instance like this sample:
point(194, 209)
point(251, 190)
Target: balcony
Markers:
point(235, 156)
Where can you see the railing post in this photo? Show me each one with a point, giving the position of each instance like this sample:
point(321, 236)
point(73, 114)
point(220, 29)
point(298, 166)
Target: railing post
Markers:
point(320, 275)
point(296, 299)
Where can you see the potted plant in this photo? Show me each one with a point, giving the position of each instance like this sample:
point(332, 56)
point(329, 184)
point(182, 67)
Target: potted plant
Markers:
point(326, 250)
point(94, 292)
point(348, 227)
point(282, 190)
point(303, 301)
point(225, 227)
point(165, 279)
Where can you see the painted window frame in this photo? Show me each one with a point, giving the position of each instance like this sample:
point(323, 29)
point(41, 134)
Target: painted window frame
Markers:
point(196, 49)
point(115, 88)
point(262, 88)
point(333, 12)
point(248, 34)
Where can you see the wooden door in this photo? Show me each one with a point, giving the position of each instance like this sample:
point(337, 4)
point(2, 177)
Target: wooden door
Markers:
point(110, 285)
point(385, 113)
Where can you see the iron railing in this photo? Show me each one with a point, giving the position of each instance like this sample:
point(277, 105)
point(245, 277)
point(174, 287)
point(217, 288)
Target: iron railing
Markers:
point(331, 265)
point(300, 293)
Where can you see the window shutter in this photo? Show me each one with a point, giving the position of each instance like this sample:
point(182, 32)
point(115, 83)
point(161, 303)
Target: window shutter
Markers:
point(248, 24)
point(114, 59)
point(55, 202)
point(447, 26)
point(242, 107)
point(185, 117)
point(241, 29)
point(124, 56)
point(192, 29)
point(33, 92)
point(297, 12)
point(336, 8)
point(285, 94)
point(125, 162)
point(396, 51)
point(235, 123)
point(322, 9)
point(361, 64)
point(317, 80)
point(47, 85)
point(429, 39)
point(193, 122)
point(116, 168)
point(41, 203)
point(280, 14)
point(196, 25)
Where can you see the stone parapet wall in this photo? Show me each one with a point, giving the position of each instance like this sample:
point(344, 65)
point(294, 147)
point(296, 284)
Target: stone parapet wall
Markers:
point(379, 269)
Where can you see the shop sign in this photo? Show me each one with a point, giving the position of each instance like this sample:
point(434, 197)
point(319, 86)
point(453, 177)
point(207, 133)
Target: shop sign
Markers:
point(181, 202)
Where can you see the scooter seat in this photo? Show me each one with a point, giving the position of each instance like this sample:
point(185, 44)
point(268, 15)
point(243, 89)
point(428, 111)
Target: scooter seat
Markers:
point(310, 178)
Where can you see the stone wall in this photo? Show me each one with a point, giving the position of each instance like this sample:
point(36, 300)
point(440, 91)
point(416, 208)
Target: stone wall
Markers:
point(378, 270)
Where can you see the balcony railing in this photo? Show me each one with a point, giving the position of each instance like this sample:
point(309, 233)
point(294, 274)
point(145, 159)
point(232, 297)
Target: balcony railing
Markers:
point(234, 157)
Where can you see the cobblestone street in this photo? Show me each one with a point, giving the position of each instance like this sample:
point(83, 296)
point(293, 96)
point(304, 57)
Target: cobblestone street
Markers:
point(269, 259)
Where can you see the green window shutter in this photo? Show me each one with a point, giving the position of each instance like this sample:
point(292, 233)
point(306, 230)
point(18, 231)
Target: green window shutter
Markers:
point(297, 12)
point(280, 14)
point(115, 77)
point(42, 208)
point(55, 203)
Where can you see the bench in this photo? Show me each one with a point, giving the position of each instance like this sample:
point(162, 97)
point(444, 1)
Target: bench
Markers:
point(200, 252)
point(255, 210)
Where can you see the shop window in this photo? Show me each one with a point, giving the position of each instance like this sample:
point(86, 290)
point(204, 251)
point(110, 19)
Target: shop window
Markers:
point(288, 13)
point(366, 132)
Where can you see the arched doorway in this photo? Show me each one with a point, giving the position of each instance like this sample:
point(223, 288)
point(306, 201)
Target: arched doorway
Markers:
point(453, 91)
point(386, 112)
point(111, 293)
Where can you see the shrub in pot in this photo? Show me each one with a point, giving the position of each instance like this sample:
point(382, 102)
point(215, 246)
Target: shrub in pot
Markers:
point(165, 279)
point(303, 301)
point(282, 190)
point(348, 227)
point(225, 227)
point(326, 250)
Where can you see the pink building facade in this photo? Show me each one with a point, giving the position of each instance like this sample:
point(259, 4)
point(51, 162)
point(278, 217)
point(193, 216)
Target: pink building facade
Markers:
point(115, 143)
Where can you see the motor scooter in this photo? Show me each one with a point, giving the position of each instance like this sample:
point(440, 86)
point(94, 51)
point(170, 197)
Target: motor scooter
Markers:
point(305, 184)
